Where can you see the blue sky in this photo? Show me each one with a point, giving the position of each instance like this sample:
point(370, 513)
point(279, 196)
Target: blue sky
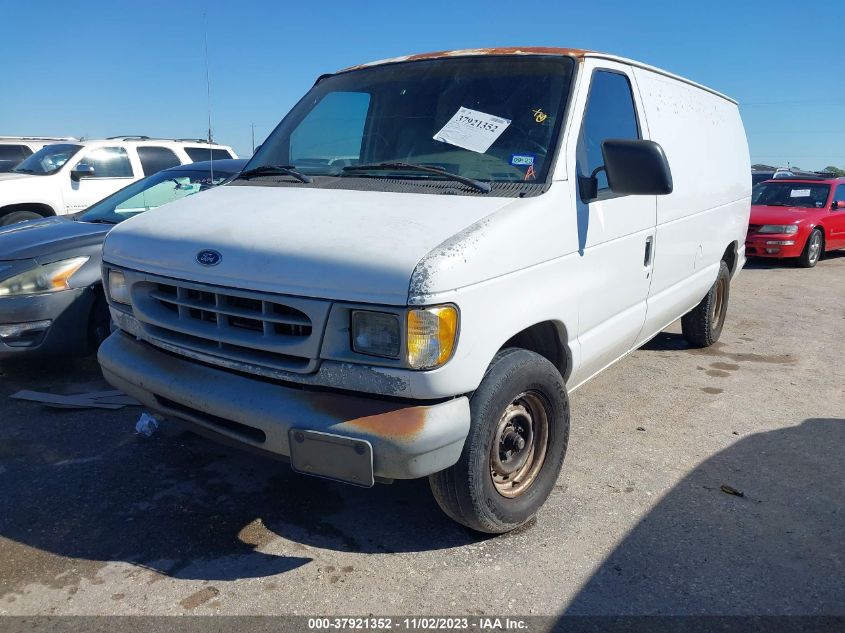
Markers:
point(104, 68)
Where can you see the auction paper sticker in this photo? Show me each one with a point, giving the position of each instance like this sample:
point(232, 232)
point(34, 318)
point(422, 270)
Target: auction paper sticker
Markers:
point(799, 193)
point(472, 130)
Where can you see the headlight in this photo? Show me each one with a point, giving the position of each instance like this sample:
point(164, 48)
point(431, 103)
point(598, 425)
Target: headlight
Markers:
point(118, 290)
point(431, 336)
point(46, 278)
point(376, 334)
point(780, 229)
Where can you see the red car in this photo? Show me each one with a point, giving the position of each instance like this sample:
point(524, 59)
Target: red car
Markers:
point(797, 217)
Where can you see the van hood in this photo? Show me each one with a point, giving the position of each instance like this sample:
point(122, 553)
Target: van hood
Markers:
point(325, 243)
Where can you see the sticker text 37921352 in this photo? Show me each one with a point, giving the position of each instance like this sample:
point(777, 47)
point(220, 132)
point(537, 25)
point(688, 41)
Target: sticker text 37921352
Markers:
point(472, 130)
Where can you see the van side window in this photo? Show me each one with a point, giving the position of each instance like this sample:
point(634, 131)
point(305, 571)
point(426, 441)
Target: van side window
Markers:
point(839, 195)
point(154, 159)
point(108, 162)
point(610, 113)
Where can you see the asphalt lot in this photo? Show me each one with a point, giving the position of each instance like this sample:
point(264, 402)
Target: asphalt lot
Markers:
point(97, 520)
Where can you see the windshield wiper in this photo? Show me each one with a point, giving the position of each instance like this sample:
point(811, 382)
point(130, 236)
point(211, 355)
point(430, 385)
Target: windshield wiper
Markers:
point(478, 185)
point(269, 170)
point(98, 221)
point(24, 171)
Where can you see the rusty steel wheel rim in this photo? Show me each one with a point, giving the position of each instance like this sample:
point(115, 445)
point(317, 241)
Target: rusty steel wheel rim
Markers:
point(719, 304)
point(519, 444)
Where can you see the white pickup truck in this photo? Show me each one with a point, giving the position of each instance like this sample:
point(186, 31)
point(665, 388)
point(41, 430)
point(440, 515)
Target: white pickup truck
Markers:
point(69, 176)
point(512, 222)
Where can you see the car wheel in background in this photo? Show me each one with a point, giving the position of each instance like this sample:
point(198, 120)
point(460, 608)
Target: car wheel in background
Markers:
point(702, 325)
point(514, 451)
point(812, 250)
point(19, 216)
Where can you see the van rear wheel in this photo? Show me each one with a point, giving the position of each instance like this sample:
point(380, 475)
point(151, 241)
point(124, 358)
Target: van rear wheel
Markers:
point(702, 325)
point(515, 448)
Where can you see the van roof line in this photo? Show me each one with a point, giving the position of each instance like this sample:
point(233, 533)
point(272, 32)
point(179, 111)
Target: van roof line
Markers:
point(579, 53)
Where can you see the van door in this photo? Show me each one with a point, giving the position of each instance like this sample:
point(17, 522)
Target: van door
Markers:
point(616, 233)
point(112, 171)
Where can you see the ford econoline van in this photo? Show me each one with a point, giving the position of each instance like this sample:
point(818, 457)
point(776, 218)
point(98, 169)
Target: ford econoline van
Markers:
point(425, 258)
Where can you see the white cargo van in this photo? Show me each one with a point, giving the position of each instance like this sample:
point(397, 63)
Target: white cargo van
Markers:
point(511, 222)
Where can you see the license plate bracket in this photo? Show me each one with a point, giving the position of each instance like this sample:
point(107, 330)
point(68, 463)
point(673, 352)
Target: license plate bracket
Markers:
point(331, 456)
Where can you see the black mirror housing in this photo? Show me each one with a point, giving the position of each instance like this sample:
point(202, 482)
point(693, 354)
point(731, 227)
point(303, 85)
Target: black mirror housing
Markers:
point(636, 167)
point(82, 170)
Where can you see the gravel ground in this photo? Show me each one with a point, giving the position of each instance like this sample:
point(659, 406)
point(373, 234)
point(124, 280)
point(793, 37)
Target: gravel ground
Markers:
point(97, 520)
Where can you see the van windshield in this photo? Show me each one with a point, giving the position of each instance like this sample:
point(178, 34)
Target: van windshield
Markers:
point(488, 118)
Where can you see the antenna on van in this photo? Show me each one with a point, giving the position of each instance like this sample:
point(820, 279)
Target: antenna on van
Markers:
point(208, 94)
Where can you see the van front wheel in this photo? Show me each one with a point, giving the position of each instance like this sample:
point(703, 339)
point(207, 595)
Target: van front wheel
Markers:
point(513, 454)
point(702, 325)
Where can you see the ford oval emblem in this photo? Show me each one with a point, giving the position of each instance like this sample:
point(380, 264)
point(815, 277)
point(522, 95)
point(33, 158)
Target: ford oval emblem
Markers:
point(209, 257)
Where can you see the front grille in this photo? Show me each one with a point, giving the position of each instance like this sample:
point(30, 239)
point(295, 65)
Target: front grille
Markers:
point(237, 325)
point(225, 310)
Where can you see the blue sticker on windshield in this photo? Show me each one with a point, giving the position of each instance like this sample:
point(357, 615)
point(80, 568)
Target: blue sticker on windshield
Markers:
point(522, 160)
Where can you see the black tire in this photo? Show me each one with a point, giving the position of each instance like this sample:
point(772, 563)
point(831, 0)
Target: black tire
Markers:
point(813, 249)
point(99, 321)
point(702, 325)
point(19, 216)
point(516, 381)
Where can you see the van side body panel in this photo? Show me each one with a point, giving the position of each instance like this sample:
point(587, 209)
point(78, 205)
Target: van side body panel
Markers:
point(704, 141)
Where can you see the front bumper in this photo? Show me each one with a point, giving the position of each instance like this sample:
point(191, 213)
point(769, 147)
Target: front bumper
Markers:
point(68, 312)
point(408, 440)
point(773, 245)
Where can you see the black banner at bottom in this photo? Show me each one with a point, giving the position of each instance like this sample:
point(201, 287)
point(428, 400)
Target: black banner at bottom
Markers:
point(409, 624)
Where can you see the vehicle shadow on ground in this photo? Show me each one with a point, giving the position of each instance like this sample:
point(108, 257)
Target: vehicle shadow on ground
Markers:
point(776, 550)
point(667, 342)
point(83, 485)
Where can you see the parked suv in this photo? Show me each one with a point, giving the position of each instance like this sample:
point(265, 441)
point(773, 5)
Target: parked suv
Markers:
point(14, 149)
point(797, 218)
point(70, 176)
point(503, 225)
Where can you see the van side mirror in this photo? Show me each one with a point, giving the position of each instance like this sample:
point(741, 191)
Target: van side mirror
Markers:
point(636, 167)
point(82, 170)
point(838, 205)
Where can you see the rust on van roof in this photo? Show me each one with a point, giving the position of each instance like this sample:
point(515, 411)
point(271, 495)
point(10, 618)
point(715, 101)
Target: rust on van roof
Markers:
point(578, 53)
point(465, 52)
